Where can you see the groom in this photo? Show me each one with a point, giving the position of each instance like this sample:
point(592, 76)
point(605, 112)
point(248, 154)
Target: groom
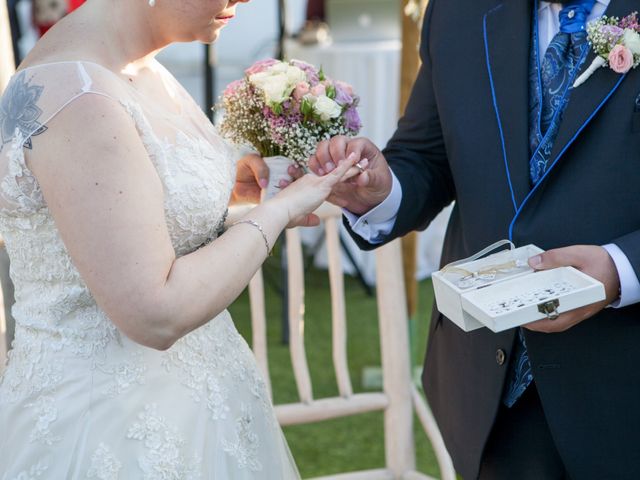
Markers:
point(494, 124)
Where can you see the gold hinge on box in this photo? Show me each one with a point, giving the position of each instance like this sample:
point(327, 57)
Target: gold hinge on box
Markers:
point(550, 309)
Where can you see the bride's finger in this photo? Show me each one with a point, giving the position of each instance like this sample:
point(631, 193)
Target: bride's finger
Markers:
point(351, 173)
point(341, 170)
point(359, 168)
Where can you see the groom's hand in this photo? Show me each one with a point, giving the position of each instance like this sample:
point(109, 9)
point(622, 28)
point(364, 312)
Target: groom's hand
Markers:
point(252, 175)
point(366, 190)
point(590, 259)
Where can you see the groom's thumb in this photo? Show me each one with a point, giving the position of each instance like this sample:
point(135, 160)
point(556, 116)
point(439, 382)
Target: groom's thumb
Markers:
point(536, 262)
point(559, 257)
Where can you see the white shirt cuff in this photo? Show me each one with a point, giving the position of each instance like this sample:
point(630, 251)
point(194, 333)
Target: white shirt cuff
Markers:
point(378, 222)
point(629, 284)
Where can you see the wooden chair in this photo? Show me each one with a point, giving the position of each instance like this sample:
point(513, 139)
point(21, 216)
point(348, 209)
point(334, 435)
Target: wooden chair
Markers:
point(399, 397)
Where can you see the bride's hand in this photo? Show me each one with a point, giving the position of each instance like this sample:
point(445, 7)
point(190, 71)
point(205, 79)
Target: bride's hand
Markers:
point(306, 194)
point(252, 175)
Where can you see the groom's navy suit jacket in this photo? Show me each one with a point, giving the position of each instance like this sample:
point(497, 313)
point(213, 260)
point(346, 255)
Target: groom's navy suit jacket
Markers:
point(464, 137)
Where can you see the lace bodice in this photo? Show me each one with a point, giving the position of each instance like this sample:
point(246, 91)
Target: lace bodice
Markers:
point(78, 398)
point(193, 162)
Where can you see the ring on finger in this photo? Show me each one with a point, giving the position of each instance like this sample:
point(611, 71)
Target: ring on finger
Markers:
point(359, 167)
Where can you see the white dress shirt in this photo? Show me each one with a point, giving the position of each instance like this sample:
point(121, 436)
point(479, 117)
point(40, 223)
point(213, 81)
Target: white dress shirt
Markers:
point(375, 225)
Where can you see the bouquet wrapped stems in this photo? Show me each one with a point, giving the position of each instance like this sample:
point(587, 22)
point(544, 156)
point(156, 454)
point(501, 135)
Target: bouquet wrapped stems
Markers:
point(278, 166)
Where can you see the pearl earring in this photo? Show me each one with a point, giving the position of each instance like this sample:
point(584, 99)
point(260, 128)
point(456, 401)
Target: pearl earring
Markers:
point(152, 3)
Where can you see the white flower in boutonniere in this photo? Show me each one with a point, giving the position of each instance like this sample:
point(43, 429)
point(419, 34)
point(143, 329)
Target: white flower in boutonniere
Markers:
point(616, 42)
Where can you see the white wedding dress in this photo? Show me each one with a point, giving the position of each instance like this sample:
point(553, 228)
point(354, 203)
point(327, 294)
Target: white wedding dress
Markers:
point(78, 398)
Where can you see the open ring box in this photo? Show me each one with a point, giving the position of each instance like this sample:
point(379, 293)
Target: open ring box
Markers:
point(500, 291)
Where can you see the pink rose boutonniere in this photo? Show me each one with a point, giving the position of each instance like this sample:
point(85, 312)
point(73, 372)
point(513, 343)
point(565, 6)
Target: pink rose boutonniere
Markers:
point(616, 43)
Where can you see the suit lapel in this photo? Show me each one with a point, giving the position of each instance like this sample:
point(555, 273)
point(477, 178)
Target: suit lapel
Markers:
point(507, 41)
point(587, 99)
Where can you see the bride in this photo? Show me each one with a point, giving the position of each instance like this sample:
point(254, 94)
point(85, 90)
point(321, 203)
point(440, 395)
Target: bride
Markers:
point(113, 193)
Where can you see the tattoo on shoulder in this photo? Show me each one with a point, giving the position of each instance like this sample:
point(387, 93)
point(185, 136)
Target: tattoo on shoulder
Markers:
point(19, 111)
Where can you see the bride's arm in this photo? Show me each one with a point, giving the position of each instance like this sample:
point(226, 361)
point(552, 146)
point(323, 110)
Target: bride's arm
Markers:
point(107, 202)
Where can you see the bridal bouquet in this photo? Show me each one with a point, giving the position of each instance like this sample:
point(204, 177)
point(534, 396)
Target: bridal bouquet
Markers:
point(286, 108)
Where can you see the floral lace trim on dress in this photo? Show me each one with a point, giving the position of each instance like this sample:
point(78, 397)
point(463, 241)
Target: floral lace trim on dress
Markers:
point(208, 191)
point(104, 464)
point(125, 375)
point(46, 412)
point(34, 472)
point(208, 359)
point(19, 187)
point(30, 374)
point(246, 444)
point(164, 458)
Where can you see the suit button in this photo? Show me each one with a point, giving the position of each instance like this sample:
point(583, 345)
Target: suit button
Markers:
point(501, 356)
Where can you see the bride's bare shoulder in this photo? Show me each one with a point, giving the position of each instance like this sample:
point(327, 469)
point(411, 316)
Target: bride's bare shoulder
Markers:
point(70, 40)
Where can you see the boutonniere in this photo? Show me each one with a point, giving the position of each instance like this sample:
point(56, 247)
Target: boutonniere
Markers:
point(616, 43)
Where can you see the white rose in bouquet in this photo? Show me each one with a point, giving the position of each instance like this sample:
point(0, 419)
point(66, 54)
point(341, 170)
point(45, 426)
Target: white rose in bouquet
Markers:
point(278, 82)
point(278, 68)
point(259, 78)
point(326, 108)
point(295, 75)
point(276, 89)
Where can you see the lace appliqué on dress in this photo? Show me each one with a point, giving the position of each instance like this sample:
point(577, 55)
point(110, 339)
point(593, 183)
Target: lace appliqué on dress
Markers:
point(19, 186)
point(33, 473)
point(104, 464)
point(46, 412)
point(164, 458)
point(197, 178)
point(125, 375)
point(213, 357)
point(245, 447)
point(31, 372)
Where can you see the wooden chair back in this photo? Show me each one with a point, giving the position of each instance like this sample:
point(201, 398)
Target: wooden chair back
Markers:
point(399, 398)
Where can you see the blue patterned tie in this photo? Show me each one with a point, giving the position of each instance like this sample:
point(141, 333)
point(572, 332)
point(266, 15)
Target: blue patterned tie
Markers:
point(558, 70)
point(548, 99)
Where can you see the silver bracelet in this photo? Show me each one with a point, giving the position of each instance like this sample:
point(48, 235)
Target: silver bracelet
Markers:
point(259, 227)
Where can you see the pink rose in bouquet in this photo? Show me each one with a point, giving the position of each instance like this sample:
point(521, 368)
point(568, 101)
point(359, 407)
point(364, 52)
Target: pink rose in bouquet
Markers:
point(260, 66)
point(286, 108)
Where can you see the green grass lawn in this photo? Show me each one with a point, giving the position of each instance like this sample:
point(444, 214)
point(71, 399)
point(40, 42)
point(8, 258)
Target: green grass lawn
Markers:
point(345, 444)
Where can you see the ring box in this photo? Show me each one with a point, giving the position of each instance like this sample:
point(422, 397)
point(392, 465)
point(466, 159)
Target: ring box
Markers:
point(501, 291)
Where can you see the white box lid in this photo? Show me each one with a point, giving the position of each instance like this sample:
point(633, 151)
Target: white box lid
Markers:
point(532, 297)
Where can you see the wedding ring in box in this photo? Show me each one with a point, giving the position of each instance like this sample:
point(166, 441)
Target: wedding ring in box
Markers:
point(501, 291)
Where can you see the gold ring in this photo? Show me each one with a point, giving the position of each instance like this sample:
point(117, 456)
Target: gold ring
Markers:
point(359, 167)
